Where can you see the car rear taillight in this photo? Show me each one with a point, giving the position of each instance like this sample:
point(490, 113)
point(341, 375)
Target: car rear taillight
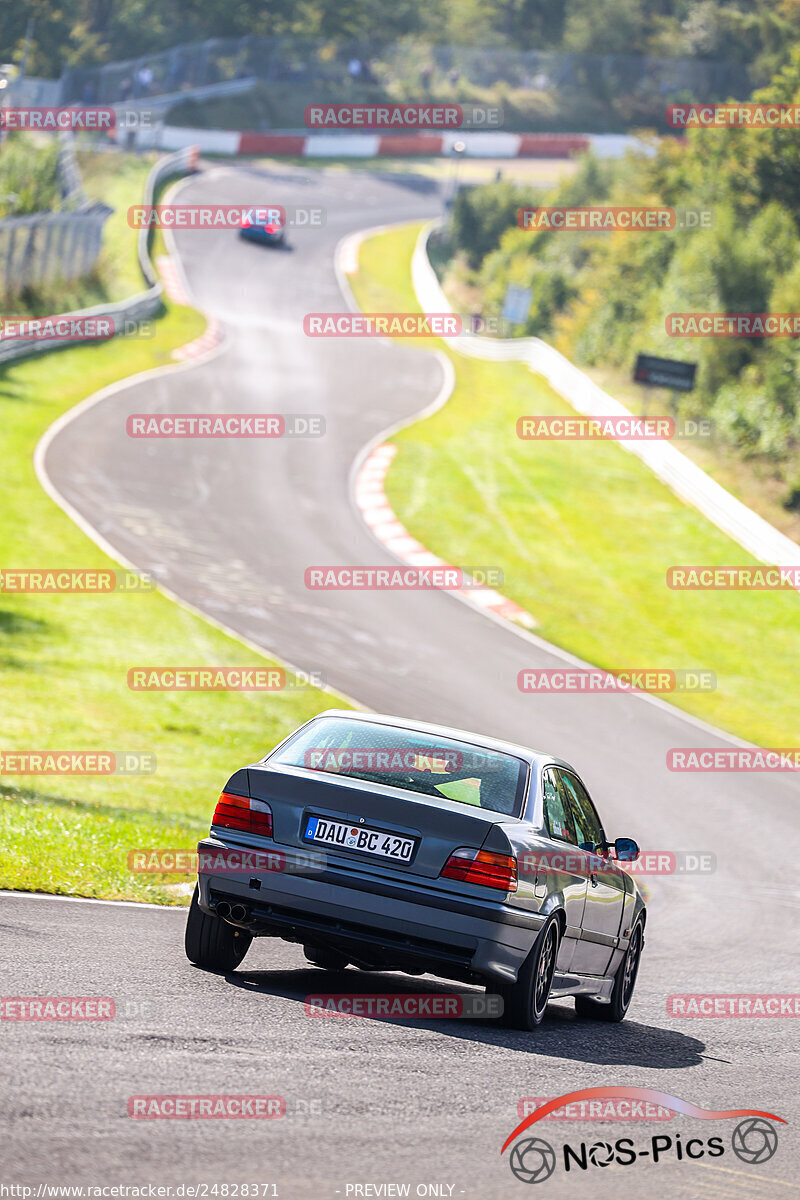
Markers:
point(237, 812)
point(482, 867)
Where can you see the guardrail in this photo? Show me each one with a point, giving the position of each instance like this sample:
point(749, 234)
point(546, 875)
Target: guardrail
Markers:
point(72, 192)
point(118, 316)
point(43, 246)
point(182, 162)
point(30, 92)
point(50, 245)
point(166, 100)
point(678, 472)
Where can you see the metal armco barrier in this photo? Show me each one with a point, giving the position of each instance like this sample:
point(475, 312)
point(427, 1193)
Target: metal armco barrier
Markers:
point(47, 246)
point(139, 307)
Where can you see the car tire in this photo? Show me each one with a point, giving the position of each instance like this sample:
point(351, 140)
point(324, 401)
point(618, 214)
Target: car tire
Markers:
point(624, 984)
point(525, 1002)
point(211, 943)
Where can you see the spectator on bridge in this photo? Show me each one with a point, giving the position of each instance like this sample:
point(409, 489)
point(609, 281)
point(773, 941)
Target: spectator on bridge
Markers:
point(144, 78)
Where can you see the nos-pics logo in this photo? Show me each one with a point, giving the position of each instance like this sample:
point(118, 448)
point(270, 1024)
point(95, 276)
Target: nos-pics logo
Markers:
point(533, 1159)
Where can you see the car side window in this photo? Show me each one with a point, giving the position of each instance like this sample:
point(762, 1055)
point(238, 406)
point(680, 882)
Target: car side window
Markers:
point(556, 814)
point(588, 829)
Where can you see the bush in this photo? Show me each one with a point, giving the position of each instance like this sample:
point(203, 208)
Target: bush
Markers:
point(29, 180)
point(602, 297)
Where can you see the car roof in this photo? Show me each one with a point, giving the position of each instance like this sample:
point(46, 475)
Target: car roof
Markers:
point(536, 758)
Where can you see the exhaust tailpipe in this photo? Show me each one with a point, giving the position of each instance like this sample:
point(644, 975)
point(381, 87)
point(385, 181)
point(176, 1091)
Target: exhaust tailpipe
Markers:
point(239, 912)
point(223, 909)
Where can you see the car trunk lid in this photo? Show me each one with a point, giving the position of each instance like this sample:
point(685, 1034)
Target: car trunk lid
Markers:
point(437, 825)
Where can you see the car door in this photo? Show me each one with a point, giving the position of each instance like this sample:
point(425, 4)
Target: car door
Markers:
point(605, 894)
point(562, 871)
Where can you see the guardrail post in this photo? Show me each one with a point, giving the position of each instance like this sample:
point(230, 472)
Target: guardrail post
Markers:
point(44, 257)
point(12, 237)
point(26, 266)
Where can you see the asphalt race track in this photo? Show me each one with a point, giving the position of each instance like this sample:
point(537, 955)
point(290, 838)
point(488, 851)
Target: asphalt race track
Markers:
point(231, 526)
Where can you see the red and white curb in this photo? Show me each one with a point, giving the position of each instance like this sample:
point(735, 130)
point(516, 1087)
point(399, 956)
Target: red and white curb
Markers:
point(324, 144)
point(490, 144)
point(171, 279)
point(175, 291)
point(208, 340)
point(376, 512)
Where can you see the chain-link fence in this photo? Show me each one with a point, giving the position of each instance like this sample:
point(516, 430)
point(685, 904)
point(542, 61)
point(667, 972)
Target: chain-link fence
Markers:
point(585, 91)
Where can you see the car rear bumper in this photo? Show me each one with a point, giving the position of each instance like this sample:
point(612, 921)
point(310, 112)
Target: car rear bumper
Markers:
point(415, 926)
point(260, 235)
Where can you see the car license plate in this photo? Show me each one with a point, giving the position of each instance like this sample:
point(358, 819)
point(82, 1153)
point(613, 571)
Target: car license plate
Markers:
point(339, 834)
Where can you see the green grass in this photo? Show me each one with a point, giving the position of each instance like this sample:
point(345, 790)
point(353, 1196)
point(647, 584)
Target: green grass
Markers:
point(29, 178)
point(118, 180)
point(64, 662)
point(583, 532)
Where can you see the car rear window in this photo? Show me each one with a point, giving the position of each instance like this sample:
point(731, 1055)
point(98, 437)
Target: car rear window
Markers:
point(409, 761)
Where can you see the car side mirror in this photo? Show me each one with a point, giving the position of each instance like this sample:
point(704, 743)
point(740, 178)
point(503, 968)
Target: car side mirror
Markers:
point(626, 849)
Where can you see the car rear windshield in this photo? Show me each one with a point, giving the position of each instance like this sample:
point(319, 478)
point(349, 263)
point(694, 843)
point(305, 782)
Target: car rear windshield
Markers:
point(410, 761)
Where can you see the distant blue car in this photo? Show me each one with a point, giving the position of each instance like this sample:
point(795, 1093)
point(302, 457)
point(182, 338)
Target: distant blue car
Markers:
point(268, 233)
